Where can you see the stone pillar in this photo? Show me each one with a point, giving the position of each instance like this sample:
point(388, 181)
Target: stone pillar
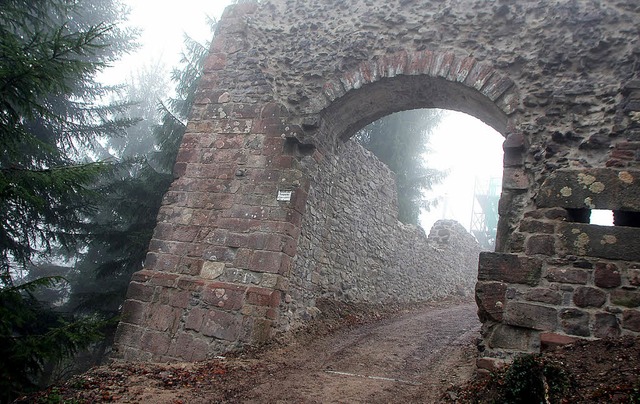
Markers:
point(228, 227)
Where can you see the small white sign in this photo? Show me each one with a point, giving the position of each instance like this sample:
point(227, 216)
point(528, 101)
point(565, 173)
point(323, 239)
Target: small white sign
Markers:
point(284, 196)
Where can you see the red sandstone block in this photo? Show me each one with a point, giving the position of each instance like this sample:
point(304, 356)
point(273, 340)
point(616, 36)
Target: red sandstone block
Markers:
point(142, 275)
point(164, 262)
point(369, 71)
point(238, 224)
point(333, 90)
point(248, 212)
point(607, 275)
point(190, 266)
point(514, 142)
point(420, 62)
point(177, 298)
point(496, 86)
point(446, 61)
point(267, 261)
point(567, 275)
point(266, 297)
point(139, 291)
point(163, 317)
point(589, 297)
point(163, 279)
point(128, 334)
point(290, 247)
point(237, 240)
point(156, 343)
point(288, 229)
point(543, 244)
point(273, 110)
point(242, 259)
point(294, 217)
point(262, 330)
point(133, 311)
point(551, 340)
point(352, 80)
point(188, 155)
point(231, 126)
point(393, 65)
point(606, 326)
point(195, 318)
point(509, 268)
point(191, 284)
point(222, 325)
point(223, 295)
point(491, 298)
point(282, 162)
point(528, 315)
point(463, 69)
point(515, 178)
point(264, 241)
point(299, 201)
point(478, 76)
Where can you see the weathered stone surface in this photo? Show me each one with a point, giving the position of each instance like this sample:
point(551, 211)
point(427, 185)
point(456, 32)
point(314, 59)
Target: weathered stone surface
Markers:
point(607, 275)
point(631, 320)
point(633, 276)
point(540, 244)
point(567, 275)
point(589, 297)
point(606, 326)
point(599, 188)
point(491, 298)
point(616, 243)
point(532, 316)
point(276, 105)
point(509, 268)
point(516, 338)
point(544, 295)
point(575, 322)
point(626, 298)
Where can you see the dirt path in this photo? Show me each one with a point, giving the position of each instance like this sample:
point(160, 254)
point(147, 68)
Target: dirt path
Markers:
point(409, 358)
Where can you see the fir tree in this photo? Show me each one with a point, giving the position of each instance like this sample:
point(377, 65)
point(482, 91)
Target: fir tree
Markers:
point(400, 141)
point(51, 112)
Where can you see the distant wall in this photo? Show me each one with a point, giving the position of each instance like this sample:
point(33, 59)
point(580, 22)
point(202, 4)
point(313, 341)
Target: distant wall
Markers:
point(353, 248)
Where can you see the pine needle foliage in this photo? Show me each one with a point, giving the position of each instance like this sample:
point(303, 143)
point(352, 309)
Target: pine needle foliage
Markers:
point(52, 112)
point(401, 141)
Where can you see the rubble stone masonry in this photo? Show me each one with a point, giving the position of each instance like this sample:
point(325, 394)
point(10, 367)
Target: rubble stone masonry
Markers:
point(268, 210)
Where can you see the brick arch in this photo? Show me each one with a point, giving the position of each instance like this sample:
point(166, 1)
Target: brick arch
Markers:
point(409, 80)
point(279, 90)
point(425, 79)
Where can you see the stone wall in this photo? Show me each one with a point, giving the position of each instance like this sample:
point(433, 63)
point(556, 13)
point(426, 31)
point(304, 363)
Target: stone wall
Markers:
point(288, 81)
point(353, 248)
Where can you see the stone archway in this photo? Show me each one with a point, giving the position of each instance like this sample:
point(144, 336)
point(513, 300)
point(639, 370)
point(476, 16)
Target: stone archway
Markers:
point(286, 80)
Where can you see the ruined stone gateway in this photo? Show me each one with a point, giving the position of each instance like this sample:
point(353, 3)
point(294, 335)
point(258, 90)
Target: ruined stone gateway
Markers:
point(273, 206)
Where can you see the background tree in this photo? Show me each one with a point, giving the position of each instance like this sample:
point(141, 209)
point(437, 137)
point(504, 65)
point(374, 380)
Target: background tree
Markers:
point(123, 224)
point(52, 111)
point(401, 141)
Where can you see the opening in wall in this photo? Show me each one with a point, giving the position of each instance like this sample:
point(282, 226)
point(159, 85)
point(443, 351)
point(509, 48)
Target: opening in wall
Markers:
point(604, 217)
point(601, 217)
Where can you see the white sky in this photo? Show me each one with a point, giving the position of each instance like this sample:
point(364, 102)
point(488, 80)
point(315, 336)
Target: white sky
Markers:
point(462, 144)
point(163, 24)
point(469, 149)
